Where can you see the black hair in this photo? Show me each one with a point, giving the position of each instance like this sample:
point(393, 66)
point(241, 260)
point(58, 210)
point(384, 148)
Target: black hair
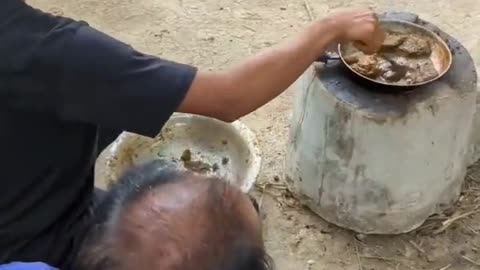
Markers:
point(97, 254)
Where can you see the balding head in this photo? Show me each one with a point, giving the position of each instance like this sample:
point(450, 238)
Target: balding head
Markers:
point(157, 218)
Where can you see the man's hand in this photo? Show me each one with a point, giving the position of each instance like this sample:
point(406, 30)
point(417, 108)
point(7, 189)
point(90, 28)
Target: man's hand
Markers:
point(360, 27)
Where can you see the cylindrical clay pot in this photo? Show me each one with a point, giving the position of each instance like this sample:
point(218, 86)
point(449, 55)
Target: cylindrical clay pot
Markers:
point(376, 162)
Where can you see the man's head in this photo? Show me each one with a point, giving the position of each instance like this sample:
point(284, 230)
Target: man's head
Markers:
point(159, 218)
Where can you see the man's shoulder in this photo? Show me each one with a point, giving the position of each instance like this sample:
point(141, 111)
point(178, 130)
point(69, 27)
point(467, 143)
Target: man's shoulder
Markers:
point(25, 32)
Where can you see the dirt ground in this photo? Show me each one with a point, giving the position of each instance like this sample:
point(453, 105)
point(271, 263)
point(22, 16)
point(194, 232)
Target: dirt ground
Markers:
point(213, 34)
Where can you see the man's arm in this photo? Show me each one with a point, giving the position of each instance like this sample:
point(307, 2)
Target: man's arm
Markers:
point(79, 74)
point(234, 93)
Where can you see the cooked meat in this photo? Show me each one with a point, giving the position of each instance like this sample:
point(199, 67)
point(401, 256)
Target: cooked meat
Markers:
point(421, 71)
point(368, 66)
point(383, 65)
point(392, 41)
point(415, 46)
point(410, 51)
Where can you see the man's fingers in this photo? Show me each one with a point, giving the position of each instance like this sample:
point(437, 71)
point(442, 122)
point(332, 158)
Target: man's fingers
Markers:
point(379, 36)
point(364, 47)
point(375, 39)
point(372, 44)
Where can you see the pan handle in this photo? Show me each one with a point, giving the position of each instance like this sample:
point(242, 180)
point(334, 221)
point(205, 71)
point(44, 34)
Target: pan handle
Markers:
point(326, 57)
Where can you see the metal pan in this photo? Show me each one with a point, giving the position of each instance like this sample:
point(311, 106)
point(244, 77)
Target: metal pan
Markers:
point(441, 55)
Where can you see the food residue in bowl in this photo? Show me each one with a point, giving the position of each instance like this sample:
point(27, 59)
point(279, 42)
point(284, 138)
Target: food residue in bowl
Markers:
point(225, 160)
point(194, 165)
point(408, 50)
point(186, 155)
point(199, 166)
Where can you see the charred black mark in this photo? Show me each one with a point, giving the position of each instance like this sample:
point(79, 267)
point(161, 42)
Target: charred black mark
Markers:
point(380, 215)
point(333, 175)
point(289, 180)
point(376, 194)
point(298, 126)
point(338, 130)
point(359, 171)
point(345, 147)
point(433, 108)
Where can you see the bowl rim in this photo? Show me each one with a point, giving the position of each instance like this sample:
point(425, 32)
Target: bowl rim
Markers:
point(109, 158)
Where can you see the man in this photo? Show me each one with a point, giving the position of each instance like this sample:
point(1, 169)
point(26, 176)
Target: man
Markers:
point(61, 81)
point(161, 218)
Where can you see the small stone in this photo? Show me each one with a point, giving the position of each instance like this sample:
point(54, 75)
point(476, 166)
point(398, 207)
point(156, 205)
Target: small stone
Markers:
point(276, 178)
point(311, 262)
point(361, 237)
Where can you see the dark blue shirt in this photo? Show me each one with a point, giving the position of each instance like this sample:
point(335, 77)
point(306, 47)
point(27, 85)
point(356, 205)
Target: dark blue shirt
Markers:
point(60, 80)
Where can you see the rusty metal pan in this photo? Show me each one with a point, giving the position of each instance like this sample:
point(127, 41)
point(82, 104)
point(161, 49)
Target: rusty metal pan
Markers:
point(441, 55)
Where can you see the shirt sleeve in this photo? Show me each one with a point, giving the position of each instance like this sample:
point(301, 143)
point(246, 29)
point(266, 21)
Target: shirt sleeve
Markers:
point(103, 81)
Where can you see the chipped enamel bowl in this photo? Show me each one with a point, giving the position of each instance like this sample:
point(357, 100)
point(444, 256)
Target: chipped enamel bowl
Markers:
point(225, 150)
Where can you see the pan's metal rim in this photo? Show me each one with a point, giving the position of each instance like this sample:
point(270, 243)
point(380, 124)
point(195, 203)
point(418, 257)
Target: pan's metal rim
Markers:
point(421, 28)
